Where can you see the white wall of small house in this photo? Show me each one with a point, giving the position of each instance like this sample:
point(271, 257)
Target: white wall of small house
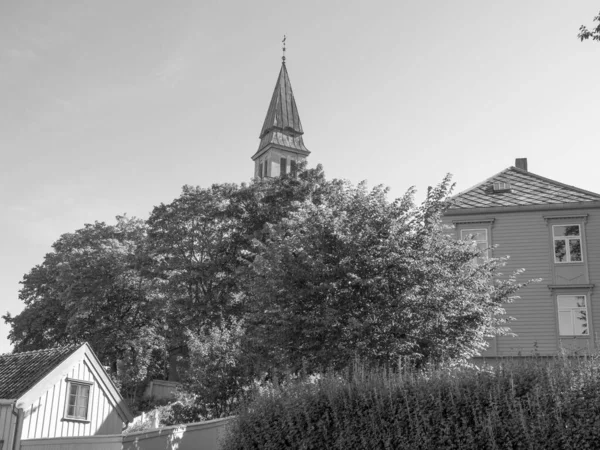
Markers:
point(8, 422)
point(45, 417)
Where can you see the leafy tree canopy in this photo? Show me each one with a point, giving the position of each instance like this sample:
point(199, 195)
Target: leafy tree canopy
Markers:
point(243, 282)
point(357, 275)
point(593, 34)
point(92, 287)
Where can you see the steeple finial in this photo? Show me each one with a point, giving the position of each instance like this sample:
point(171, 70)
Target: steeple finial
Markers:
point(283, 48)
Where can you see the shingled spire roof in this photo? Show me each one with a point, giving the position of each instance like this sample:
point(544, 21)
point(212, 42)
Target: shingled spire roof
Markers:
point(282, 126)
point(283, 112)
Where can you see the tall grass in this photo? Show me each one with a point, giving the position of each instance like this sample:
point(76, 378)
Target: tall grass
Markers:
point(531, 403)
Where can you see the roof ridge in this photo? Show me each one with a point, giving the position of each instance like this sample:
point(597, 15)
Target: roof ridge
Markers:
point(29, 352)
point(550, 180)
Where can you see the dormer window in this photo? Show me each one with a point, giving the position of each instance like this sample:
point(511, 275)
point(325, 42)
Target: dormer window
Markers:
point(501, 186)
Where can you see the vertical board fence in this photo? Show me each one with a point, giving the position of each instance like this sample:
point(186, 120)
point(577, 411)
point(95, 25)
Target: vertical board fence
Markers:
point(109, 442)
point(197, 436)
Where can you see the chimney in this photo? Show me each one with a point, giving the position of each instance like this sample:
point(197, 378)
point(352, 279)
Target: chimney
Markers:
point(521, 163)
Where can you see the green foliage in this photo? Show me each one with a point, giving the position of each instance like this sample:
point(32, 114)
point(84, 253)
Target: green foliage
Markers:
point(219, 374)
point(355, 274)
point(93, 287)
point(593, 34)
point(246, 283)
point(530, 404)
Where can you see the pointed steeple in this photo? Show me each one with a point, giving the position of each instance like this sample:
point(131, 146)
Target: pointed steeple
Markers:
point(281, 135)
point(282, 114)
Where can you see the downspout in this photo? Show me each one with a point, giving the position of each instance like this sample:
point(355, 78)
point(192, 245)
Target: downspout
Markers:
point(15, 412)
point(18, 427)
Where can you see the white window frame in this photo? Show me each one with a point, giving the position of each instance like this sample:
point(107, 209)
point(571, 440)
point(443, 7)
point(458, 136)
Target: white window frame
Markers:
point(566, 241)
point(76, 382)
point(469, 231)
point(573, 311)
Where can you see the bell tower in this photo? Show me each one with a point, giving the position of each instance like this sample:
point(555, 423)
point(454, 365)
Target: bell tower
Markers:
point(281, 146)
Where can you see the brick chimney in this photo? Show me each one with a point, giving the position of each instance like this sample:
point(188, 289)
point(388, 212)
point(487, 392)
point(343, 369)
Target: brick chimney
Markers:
point(521, 163)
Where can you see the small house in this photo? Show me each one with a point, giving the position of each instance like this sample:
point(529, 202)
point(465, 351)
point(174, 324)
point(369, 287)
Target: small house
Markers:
point(56, 393)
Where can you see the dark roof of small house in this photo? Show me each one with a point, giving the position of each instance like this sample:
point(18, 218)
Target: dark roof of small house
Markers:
point(19, 372)
point(526, 189)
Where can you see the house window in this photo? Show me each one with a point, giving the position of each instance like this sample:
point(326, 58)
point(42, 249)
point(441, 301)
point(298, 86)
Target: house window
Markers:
point(260, 170)
point(78, 400)
point(293, 169)
point(572, 315)
point(479, 236)
point(567, 243)
point(265, 169)
point(283, 166)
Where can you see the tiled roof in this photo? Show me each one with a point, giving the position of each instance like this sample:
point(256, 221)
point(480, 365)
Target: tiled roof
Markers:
point(19, 372)
point(526, 189)
point(282, 122)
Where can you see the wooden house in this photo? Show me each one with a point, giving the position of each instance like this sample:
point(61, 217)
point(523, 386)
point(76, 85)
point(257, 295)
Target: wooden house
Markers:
point(56, 393)
point(552, 230)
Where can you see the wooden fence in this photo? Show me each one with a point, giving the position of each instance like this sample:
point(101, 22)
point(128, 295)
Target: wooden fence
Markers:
point(191, 436)
point(109, 442)
point(198, 436)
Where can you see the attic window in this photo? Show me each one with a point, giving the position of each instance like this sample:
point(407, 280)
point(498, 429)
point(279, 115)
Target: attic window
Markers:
point(501, 186)
point(78, 399)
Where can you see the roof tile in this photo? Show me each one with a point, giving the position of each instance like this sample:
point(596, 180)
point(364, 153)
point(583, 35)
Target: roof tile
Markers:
point(19, 372)
point(526, 189)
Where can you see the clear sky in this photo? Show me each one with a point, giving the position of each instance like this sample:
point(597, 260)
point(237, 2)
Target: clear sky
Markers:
point(109, 107)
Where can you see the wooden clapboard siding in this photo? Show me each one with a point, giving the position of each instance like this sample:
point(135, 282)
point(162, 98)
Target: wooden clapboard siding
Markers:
point(44, 418)
point(526, 237)
point(592, 230)
point(7, 425)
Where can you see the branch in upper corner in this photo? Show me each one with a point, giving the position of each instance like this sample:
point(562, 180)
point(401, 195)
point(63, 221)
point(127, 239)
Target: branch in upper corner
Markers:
point(594, 33)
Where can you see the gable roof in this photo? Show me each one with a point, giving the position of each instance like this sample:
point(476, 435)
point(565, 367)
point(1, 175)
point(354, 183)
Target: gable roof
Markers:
point(25, 376)
point(19, 372)
point(526, 189)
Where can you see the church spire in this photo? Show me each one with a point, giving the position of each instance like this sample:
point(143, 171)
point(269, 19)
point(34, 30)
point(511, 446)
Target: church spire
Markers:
point(281, 144)
point(282, 114)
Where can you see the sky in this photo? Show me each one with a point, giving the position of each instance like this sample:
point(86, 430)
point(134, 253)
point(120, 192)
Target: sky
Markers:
point(111, 107)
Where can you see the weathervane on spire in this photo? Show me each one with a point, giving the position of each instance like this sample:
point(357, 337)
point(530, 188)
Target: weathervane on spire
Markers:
point(283, 48)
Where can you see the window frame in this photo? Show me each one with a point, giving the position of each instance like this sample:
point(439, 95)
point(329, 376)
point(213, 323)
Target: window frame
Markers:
point(572, 309)
point(77, 382)
point(566, 240)
point(470, 231)
point(282, 166)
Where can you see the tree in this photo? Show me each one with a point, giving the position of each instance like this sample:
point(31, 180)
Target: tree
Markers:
point(195, 250)
point(357, 275)
point(219, 373)
point(594, 33)
point(93, 287)
point(201, 244)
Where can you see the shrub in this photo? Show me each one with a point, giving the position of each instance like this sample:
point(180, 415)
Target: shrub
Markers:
point(529, 404)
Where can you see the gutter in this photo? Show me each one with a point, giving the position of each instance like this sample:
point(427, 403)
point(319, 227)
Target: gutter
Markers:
point(508, 209)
